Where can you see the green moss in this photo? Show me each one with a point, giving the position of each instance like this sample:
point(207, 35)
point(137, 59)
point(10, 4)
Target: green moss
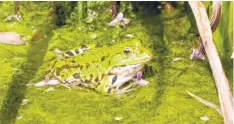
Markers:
point(164, 100)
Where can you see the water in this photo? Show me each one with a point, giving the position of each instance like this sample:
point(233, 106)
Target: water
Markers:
point(162, 101)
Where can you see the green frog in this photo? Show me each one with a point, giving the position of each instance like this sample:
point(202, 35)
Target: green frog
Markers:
point(106, 69)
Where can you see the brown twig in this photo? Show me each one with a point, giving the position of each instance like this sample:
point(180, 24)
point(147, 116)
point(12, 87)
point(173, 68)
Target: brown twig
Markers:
point(222, 85)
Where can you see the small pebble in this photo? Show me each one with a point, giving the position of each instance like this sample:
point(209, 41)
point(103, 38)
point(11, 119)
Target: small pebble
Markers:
point(19, 117)
point(176, 59)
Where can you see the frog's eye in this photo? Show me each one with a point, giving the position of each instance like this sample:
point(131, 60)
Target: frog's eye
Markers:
point(127, 50)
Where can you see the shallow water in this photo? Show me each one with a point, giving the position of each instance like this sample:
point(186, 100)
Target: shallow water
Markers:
point(162, 101)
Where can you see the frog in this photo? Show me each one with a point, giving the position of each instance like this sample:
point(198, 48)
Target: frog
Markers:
point(105, 69)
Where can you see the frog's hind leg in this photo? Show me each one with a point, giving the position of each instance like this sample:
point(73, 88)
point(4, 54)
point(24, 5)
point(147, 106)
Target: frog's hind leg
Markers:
point(126, 89)
point(47, 83)
point(71, 82)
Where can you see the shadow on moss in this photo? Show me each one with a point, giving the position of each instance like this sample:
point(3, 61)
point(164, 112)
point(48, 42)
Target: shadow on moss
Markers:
point(154, 25)
point(17, 88)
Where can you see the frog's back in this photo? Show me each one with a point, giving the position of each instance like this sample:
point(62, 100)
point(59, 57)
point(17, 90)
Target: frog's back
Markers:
point(88, 67)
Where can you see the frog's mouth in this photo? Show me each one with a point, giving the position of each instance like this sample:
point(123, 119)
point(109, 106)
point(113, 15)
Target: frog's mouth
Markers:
point(132, 68)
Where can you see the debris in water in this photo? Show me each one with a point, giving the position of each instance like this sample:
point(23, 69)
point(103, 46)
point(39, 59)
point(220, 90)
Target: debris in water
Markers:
point(16, 17)
point(94, 36)
point(91, 16)
point(118, 118)
point(119, 19)
point(11, 38)
point(176, 59)
point(17, 58)
point(25, 102)
point(49, 89)
point(19, 117)
point(15, 69)
point(129, 35)
point(205, 118)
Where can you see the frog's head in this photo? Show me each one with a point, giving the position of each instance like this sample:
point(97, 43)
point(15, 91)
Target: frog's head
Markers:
point(128, 59)
point(130, 53)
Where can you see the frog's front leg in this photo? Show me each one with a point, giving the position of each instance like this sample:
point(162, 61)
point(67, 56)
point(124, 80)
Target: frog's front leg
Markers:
point(129, 88)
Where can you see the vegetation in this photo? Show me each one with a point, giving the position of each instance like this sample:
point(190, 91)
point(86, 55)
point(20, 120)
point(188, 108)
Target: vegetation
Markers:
point(168, 34)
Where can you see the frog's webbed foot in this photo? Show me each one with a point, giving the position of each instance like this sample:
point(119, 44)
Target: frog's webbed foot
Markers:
point(66, 86)
point(141, 82)
point(139, 79)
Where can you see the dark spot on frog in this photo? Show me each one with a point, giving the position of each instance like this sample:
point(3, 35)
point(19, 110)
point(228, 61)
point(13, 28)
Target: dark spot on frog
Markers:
point(103, 58)
point(109, 62)
point(96, 79)
point(47, 72)
point(97, 65)
point(87, 65)
point(77, 51)
point(91, 76)
point(64, 67)
point(77, 66)
point(69, 53)
point(62, 75)
point(58, 70)
point(81, 67)
point(109, 90)
point(76, 75)
point(66, 82)
point(83, 47)
point(114, 79)
point(86, 81)
point(73, 61)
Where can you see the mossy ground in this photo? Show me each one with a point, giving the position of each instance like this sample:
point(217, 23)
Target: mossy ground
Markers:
point(163, 101)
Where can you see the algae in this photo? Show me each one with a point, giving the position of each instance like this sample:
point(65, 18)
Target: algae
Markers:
point(163, 101)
